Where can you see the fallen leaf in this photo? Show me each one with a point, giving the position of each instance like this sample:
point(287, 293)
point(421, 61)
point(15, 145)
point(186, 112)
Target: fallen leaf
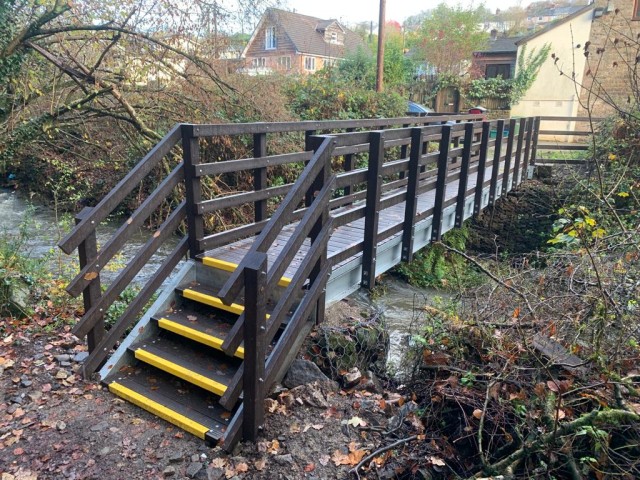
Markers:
point(242, 467)
point(260, 464)
point(310, 467)
point(324, 460)
point(356, 422)
point(436, 461)
point(477, 413)
point(18, 451)
point(218, 463)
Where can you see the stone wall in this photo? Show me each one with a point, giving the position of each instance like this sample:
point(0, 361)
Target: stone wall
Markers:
point(612, 67)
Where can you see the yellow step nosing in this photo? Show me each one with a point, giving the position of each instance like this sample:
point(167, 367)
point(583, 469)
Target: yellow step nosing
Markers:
point(181, 372)
point(159, 410)
point(213, 301)
point(231, 267)
point(196, 335)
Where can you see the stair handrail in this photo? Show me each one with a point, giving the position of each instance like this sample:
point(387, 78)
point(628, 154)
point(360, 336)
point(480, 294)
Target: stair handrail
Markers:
point(318, 163)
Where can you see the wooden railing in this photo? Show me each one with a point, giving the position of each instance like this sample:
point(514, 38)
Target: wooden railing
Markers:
point(561, 135)
point(185, 179)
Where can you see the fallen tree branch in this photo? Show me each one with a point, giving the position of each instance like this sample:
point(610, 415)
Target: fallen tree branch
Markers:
point(379, 451)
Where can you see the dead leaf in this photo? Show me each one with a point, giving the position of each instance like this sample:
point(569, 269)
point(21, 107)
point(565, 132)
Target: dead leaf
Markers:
point(91, 276)
point(324, 460)
point(436, 461)
point(18, 451)
point(356, 422)
point(477, 413)
point(260, 464)
point(294, 428)
point(310, 467)
point(242, 467)
point(553, 386)
point(218, 463)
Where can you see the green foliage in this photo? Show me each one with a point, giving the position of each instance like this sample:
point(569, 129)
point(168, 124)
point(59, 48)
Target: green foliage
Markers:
point(448, 37)
point(325, 95)
point(434, 267)
point(19, 271)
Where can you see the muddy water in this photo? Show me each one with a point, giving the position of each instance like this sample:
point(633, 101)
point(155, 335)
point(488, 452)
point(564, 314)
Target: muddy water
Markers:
point(43, 233)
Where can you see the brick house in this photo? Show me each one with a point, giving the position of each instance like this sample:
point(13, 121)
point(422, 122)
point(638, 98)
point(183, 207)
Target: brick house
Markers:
point(290, 42)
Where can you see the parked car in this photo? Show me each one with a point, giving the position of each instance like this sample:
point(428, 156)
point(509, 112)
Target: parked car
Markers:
point(415, 109)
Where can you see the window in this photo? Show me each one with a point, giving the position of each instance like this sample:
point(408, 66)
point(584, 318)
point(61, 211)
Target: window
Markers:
point(636, 10)
point(334, 37)
point(502, 70)
point(270, 38)
point(284, 63)
point(260, 62)
point(310, 64)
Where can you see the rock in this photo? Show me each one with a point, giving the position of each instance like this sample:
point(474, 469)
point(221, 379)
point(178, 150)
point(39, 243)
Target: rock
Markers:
point(175, 457)
point(80, 356)
point(62, 357)
point(351, 378)
point(25, 382)
point(98, 427)
point(215, 473)
point(60, 425)
point(17, 399)
point(371, 383)
point(65, 364)
point(195, 457)
point(286, 459)
point(104, 451)
point(193, 469)
point(169, 471)
point(303, 372)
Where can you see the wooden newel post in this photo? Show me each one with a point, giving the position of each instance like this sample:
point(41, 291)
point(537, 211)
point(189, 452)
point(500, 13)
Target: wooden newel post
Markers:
point(87, 251)
point(260, 175)
point(193, 188)
point(255, 280)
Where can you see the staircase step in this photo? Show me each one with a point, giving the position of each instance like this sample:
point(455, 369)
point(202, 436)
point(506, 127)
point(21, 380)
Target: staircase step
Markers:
point(232, 267)
point(207, 296)
point(189, 361)
point(196, 326)
point(188, 407)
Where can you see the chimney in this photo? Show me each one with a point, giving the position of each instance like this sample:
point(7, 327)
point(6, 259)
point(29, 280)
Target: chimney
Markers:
point(494, 34)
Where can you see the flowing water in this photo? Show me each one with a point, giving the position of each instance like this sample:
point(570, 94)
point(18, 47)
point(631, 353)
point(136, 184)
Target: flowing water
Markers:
point(43, 232)
point(400, 303)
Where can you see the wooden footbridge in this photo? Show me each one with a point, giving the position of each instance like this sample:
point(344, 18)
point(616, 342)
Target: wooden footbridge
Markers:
point(226, 326)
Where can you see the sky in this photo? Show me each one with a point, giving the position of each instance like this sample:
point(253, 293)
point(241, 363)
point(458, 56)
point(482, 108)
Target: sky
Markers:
point(354, 11)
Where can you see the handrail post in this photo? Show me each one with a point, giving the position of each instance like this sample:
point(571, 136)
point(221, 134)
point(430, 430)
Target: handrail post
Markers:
point(482, 166)
point(255, 276)
point(87, 251)
point(518, 162)
point(349, 164)
point(260, 175)
point(464, 173)
point(536, 131)
point(411, 205)
point(508, 157)
point(527, 148)
point(372, 212)
point(495, 166)
point(193, 189)
point(441, 183)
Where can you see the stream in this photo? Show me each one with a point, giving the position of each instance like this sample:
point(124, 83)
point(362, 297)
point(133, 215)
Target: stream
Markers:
point(400, 302)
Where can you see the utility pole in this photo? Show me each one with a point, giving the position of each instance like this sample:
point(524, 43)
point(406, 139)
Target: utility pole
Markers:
point(380, 73)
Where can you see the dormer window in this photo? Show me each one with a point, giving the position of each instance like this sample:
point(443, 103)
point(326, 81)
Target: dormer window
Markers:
point(270, 38)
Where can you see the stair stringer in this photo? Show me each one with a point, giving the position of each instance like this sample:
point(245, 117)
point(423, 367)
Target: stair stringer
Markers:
point(145, 328)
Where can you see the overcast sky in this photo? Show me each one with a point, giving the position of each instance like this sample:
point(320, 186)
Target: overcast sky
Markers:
point(353, 11)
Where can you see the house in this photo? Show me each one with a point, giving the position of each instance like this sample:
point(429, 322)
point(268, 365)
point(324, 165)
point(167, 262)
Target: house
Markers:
point(294, 43)
point(567, 95)
point(552, 94)
point(542, 17)
point(498, 59)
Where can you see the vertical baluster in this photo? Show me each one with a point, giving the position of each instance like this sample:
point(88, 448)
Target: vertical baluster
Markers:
point(464, 173)
point(411, 204)
point(371, 218)
point(260, 175)
point(193, 189)
point(495, 166)
point(482, 166)
point(441, 183)
point(87, 251)
point(527, 148)
point(519, 154)
point(509, 155)
point(255, 276)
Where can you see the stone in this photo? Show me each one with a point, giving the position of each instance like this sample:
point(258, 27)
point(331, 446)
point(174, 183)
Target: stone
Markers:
point(303, 372)
point(351, 378)
point(17, 399)
point(193, 469)
point(80, 356)
point(215, 473)
point(286, 459)
point(62, 357)
point(175, 457)
point(104, 451)
point(169, 471)
point(65, 364)
point(25, 382)
point(99, 427)
point(371, 383)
